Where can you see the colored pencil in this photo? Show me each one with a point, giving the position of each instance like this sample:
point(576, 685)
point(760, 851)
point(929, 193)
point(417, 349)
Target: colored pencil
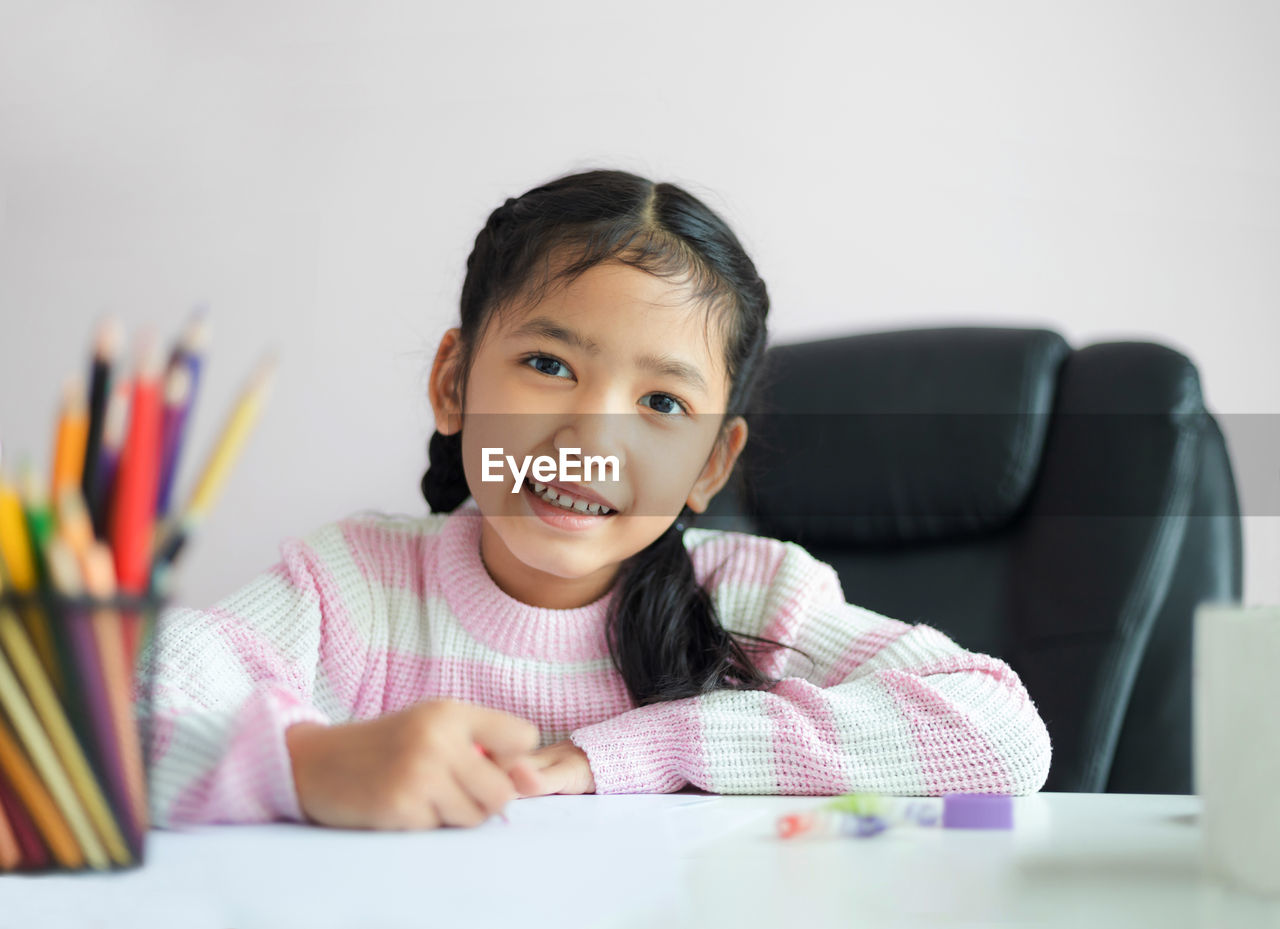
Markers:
point(73, 789)
point(66, 573)
point(30, 845)
point(19, 568)
point(100, 581)
point(37, 741)
point(38, 801)
point(226, 450)
point(115, 424)
point(10, 851)
point(188, 357)
point(106, 345)
point(70, 753)
point(177, 394)
point(70, 438)
point(133, 506)
point(39, 520)
point(101, 654)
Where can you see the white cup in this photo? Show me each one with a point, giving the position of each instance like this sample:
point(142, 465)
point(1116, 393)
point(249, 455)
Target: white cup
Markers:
point(1236, 737)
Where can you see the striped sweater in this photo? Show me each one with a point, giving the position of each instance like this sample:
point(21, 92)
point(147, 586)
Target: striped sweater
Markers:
point(372, 613)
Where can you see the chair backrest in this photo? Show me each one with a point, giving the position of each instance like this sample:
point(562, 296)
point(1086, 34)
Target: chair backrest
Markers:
point(1065, 510)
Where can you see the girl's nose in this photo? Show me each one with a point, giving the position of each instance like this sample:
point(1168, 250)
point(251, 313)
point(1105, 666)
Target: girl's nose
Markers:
point(595, 433)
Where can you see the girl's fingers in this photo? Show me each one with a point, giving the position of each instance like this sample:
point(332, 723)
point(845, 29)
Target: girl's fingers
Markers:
point(501, 733)
point(527, 780)
point(489, 786)
point(455, 805)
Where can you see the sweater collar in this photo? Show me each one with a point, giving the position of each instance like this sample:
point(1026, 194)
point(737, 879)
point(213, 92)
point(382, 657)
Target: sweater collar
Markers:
point(502, 622)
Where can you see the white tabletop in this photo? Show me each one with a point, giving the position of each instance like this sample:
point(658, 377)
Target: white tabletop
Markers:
point(671, 860)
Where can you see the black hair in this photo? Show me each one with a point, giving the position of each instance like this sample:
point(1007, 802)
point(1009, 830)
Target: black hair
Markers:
point(664, 636)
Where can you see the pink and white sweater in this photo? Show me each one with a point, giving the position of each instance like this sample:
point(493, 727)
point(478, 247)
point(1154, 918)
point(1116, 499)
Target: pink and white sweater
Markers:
point(372, 613)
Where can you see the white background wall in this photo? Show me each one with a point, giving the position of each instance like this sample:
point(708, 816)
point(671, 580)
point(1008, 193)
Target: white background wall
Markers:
point(317, 172)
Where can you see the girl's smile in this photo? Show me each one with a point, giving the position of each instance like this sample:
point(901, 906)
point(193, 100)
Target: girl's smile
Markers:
point(557, 515)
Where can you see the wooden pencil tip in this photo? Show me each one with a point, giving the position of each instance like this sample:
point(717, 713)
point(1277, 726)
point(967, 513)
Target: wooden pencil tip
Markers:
point(62, 567)
point(99, 570)
point(30, 486)
point(149, 360)
point(73, 518)
point(107, 340)
point(265, 371)
point(177, 385)
point(196, 335)
point(117, 418)
point(73, 395)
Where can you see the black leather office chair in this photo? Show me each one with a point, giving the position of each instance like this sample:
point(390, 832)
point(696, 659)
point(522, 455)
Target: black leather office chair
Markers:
point(1062, 509)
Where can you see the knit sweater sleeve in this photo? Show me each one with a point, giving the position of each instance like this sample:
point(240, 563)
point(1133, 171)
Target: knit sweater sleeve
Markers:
point(226, 682)
point(884, 706)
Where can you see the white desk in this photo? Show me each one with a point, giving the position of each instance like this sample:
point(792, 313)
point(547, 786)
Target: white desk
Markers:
point(673, 860)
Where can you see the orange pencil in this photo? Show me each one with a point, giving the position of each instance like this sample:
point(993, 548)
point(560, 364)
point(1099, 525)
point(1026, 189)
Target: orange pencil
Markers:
point(71, 435)
point(133, 509)
point(10, 853)
point(39, 804)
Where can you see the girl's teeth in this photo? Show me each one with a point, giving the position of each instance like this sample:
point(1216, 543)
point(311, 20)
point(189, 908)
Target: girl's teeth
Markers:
point(567, 502)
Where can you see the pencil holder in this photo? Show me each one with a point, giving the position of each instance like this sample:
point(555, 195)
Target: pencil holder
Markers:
point(73, 786)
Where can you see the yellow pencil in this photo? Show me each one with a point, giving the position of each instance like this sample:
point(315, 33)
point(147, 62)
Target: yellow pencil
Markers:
point(19, 566)
point(236, 429)
point(42, 753)
point(234, 433)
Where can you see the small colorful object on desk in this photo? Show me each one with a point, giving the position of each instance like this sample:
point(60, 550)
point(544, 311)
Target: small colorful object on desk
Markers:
point(862, 815)
point(79, 590)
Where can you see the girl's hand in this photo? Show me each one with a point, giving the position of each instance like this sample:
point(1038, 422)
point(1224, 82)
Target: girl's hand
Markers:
point(415, 769)
point(561, 768)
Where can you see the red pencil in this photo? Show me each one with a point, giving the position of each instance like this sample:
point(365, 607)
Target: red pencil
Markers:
point(133, 505)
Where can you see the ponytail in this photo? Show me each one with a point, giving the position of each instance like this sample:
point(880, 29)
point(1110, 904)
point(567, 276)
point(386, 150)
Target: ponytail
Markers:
point(445, 483)
point(664, 635)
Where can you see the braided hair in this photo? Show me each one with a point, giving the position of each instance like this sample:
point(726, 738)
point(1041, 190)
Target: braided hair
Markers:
point(664, 636)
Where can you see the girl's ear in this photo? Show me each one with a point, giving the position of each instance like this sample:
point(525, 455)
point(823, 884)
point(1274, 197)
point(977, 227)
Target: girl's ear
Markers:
point(719, 466)
point(443, 388)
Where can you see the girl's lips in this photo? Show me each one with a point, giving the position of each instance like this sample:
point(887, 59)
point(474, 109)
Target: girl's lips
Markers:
point(580, 493)
point(558, 516)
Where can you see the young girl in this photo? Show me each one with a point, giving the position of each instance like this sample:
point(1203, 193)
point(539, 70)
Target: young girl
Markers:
point(574, 634)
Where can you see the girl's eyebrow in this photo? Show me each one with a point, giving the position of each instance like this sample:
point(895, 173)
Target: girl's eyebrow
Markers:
point(667, 365)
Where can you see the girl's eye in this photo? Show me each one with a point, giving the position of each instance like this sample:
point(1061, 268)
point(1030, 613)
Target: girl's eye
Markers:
point(668, 405)
point(550, 362)
point(675, 408)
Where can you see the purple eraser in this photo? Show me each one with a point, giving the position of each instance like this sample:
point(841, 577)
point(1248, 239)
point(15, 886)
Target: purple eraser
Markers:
point(977, 811)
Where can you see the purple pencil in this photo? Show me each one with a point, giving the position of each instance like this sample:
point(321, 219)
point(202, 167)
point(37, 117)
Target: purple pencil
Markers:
point(177, 395)
point(188, 356)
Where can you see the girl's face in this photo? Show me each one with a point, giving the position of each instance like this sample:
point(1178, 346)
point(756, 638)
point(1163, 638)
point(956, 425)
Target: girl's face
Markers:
point(616, 364)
